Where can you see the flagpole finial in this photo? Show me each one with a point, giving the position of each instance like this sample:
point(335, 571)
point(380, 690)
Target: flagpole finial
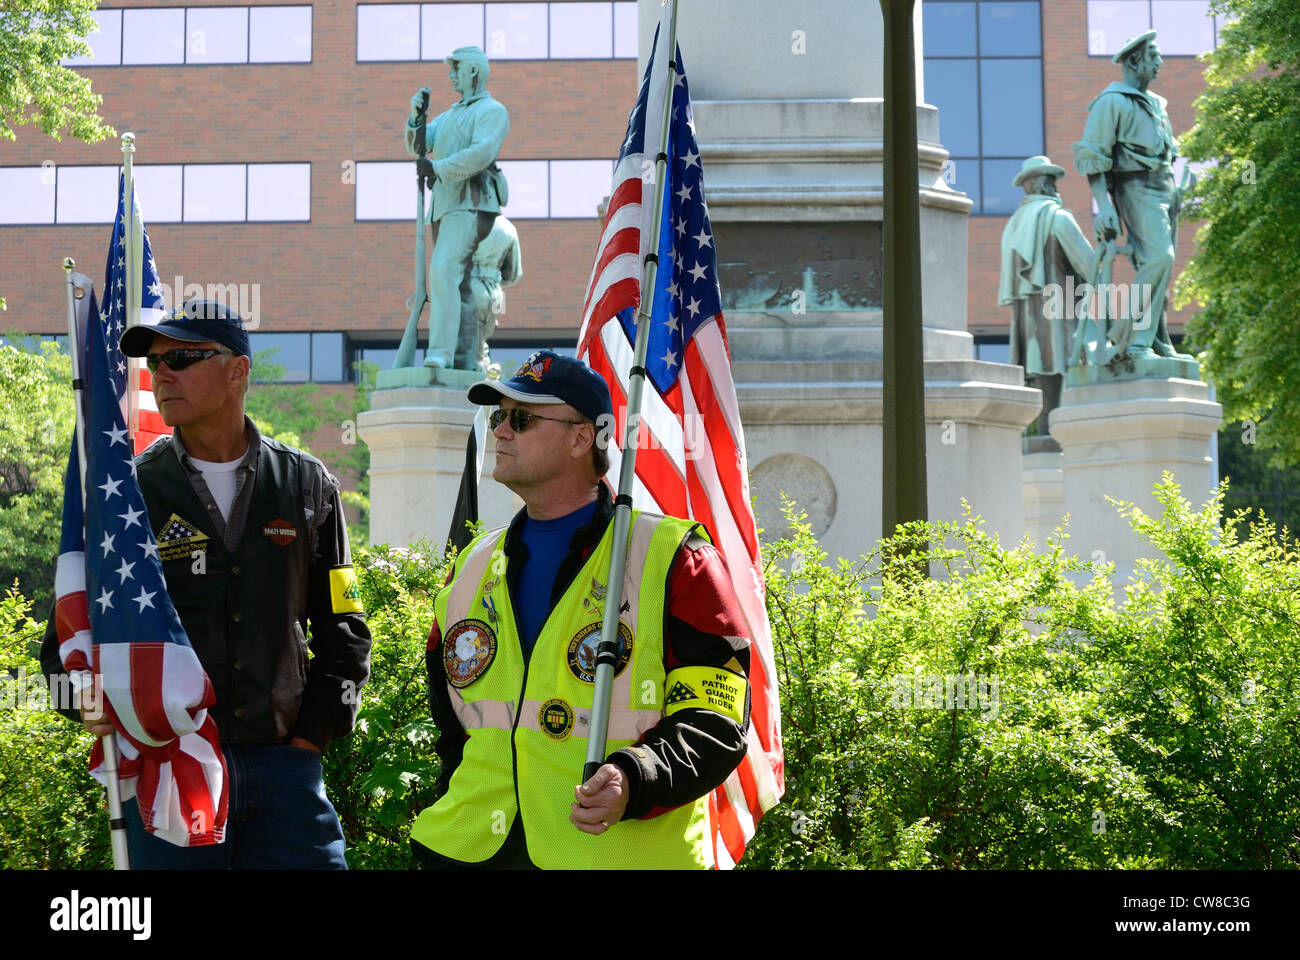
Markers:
point(128, 141)
point(69, 264)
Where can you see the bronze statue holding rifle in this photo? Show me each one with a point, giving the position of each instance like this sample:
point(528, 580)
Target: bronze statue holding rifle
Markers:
point(467, 193)
point(1127, 152)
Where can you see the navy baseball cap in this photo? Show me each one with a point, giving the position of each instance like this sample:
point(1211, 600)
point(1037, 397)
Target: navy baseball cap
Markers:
point(548, 377)
point(195, 320)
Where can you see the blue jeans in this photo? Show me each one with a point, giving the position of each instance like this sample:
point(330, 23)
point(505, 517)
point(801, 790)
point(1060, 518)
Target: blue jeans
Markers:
point(279, 818)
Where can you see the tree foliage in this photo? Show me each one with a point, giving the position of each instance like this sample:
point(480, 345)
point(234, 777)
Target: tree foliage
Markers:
point(1245, 272)
point(36, 424)
point(34, 87)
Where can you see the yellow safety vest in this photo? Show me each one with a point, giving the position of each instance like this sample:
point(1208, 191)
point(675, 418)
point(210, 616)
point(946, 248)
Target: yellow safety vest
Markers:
point(527, 724)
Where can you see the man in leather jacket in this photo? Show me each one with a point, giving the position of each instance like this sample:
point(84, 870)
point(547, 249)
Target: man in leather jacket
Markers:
point(254, 547)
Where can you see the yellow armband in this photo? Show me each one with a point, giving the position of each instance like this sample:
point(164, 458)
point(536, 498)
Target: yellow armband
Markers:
point(706, 688)
point(345, 595)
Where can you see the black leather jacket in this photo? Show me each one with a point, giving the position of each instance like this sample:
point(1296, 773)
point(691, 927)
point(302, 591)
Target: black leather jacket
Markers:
point(246, 607)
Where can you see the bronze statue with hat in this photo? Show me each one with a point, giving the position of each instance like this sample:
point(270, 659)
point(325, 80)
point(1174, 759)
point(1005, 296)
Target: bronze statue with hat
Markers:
point(1127, 152)
point(1044, 254)
point(467, 193)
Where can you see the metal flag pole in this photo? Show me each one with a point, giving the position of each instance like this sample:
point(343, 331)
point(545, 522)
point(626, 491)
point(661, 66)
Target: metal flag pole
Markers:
point(410, 337)
point(116, 823)
point(133, 244)
point(607, 649)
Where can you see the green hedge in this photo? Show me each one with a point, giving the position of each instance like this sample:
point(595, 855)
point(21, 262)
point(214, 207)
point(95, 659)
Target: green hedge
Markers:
point(1002, 713)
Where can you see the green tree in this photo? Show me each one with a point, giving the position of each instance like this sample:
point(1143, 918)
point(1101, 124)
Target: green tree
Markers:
point(36, 424)
point(1246, 269)
point(34, 87)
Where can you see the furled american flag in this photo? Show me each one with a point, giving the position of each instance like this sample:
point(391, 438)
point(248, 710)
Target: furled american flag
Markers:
point(115, 620)
point(113, 314)
point(690, 458)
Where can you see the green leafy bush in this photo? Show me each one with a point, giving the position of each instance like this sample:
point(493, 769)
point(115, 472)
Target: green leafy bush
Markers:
point(51, 809)
point(382, 776)
point(1160, 734)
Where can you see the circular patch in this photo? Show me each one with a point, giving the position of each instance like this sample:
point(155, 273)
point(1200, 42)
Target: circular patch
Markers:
point(468, 649)
point(582, 651)
point(555, 718)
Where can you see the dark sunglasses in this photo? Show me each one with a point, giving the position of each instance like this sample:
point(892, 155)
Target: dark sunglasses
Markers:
point(178, 359)
point(520, 419)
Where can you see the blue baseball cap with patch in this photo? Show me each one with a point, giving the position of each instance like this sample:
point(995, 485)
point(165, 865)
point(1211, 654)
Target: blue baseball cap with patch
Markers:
point(548, 377)
point(194, 320)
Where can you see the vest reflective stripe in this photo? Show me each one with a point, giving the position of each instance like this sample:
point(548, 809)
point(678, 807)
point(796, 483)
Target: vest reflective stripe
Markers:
point(498, 714)
point(548, 756)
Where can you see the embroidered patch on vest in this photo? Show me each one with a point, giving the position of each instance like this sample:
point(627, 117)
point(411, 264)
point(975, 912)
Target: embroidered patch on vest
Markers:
point(280, 531)
point(345, 595)
point(582, 651)
point(556, 718)
point(178, 539)
point(468, 649)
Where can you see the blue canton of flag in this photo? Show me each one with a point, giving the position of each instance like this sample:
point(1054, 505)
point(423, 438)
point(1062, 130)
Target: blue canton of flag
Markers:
point(113, 310)
point(686, 293)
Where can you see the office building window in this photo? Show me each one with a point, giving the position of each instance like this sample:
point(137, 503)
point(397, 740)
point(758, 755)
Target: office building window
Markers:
point(506, 31)
point(87, 195)
point(279, 191)
point(980, 56)
point(279, 34)
point(29, 194)
point(539, 189)
point(105, 44)
point(216, 35)
point(167, 193)
point(135, 36)
point(1184, 28)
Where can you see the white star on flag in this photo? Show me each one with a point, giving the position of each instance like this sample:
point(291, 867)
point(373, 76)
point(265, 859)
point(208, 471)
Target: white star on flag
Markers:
point(116, 435)
point(145, 599)
point(110, 488)
point(108, 543)
point(150, 549)
point(703, 239)
point(131, 516)
point(124, 571)
point(697, 272)
point(691, 159)
point(105, 599)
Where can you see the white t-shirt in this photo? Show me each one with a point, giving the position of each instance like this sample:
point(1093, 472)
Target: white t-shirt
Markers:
point(220, 478)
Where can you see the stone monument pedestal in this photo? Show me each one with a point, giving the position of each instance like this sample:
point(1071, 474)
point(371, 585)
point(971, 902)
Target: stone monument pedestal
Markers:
point(1117, 439)
point(417, 427)
point(1042, 486)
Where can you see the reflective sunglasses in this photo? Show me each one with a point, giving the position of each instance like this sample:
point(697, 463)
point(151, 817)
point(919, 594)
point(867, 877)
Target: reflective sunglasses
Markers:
point(520, 419)
point(178, 359)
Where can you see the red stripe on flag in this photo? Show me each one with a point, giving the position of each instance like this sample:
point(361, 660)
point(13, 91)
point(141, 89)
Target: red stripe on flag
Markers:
point(146, 680)
point(71, 615)
point(726, 454)
point(622, 294)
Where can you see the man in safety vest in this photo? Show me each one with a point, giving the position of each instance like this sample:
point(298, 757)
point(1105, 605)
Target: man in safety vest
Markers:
point(511, 659)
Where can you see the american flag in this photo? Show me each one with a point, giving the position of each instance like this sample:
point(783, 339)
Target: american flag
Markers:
point(690, 458)
point(113, 315)
point(115, 620)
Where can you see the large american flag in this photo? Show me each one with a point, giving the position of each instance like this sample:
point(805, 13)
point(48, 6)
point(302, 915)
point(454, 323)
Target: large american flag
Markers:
point(690, 459)
point(113, 315)
point(116, 621)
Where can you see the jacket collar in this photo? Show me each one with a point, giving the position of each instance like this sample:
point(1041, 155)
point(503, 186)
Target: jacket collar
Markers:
point(248, 460)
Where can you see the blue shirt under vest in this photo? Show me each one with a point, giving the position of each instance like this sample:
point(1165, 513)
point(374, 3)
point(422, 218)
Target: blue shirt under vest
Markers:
point(548, 544)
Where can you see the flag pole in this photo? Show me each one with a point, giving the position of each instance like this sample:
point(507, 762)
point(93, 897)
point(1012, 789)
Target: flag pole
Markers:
point(116, 823)
point(607, 650)
point(133, 245)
